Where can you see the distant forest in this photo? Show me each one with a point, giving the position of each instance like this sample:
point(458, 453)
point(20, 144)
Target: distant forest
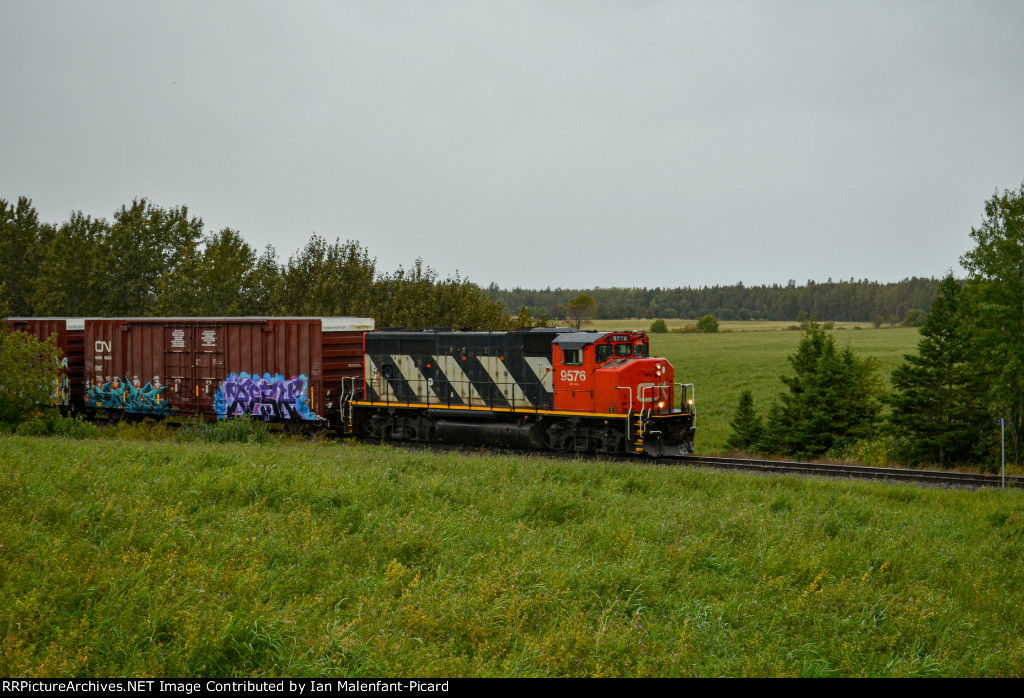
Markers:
point(853, 301)
point(151, 260)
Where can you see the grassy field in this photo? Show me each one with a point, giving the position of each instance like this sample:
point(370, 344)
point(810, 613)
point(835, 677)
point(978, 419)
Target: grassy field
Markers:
point(723, 325)
point(752, 356)
point(299, 558)
point(723, 365)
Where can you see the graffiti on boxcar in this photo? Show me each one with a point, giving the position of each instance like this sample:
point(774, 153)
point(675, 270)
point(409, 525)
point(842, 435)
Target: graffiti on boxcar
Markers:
point(128, 395)
point(62, 388)
point(268, 396)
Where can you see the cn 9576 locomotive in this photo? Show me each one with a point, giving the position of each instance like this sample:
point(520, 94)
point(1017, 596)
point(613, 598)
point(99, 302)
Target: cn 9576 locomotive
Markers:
point(543, 388)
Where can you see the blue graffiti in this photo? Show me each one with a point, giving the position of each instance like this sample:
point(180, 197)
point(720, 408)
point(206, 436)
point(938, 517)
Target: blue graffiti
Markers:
point(129, 396)
point(268, 396)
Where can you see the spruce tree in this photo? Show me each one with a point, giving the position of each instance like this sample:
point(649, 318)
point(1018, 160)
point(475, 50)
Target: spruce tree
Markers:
point(747, 425)
point(936, 403)
point(832, 398)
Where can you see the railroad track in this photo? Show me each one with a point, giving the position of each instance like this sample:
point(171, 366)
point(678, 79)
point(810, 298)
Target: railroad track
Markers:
point(862, 472)
point(937, 478)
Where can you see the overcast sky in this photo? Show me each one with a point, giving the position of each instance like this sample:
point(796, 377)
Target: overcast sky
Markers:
point(532, 144)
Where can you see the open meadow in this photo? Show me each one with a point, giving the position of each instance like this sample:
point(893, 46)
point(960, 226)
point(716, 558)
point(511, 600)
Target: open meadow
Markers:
point(752, 356)
point(299, 558)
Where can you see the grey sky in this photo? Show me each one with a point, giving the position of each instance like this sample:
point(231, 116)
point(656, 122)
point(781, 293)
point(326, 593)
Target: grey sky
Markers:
point(532, 144)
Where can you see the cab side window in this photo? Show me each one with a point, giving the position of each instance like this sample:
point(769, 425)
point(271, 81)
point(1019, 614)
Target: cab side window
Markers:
point(604, 352)
point(573, 357)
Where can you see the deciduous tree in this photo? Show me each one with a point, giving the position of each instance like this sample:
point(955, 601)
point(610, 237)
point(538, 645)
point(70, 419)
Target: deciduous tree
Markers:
point(708, 324)
point(28, 374)
point(226, 278)
point(996, 284)
point(581, 308)
point(72, 274)
point(328, 279)
point(22, 240)
point(146, 249)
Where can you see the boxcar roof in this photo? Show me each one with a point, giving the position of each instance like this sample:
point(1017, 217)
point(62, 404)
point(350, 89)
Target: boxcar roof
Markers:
point(327, 323)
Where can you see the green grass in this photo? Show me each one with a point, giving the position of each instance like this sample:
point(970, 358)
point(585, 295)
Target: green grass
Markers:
point(724, 365)
point(723, 325)
point(752, 356)
point(289, 558)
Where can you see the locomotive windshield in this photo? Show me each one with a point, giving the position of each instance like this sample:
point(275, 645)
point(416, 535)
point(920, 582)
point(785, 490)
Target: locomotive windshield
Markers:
point(604, 352)
point(623, 350)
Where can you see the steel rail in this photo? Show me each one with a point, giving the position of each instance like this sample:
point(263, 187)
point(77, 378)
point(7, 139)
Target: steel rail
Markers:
point(863, 472)
point(859, 472)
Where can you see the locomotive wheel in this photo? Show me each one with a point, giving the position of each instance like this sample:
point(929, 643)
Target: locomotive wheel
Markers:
point(556, 440)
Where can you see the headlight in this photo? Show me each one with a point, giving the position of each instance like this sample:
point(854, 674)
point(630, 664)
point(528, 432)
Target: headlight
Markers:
point(661, 405)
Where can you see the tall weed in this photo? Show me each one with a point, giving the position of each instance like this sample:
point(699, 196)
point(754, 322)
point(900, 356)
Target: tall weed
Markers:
point(235, 429)
point(52, 423)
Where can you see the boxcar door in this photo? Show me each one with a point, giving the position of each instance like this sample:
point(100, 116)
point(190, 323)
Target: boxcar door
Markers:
point(207, 362)
point(178, 375)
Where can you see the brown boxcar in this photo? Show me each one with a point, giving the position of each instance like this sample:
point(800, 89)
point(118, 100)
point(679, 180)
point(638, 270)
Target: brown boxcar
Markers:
point(277, 369)
point(69, 333)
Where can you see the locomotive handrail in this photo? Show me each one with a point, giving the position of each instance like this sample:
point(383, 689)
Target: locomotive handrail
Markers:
point(629, 414)
point(642, 395)
point(693, 396)
point(652, 387)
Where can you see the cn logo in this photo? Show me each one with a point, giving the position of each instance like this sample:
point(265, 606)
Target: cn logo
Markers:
point(102, 346)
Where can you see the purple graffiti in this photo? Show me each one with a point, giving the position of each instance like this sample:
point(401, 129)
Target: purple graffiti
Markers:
point(267, 396)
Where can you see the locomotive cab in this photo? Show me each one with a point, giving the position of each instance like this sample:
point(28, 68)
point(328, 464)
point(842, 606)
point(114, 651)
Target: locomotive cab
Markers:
point(614, 374)
point(611, 373)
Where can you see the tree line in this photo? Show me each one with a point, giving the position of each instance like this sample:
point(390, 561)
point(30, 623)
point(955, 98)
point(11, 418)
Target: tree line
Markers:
point(148, 260)
point(967, 373)
point(854, 301)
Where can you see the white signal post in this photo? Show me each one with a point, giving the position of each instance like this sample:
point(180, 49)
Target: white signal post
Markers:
point(1002, 429)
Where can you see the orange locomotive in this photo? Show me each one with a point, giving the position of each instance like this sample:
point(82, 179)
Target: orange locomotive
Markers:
point(546, 388)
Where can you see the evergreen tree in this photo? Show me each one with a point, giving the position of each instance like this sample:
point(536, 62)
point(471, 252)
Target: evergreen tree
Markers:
point(747, 425)
point(831, 399)
point(936, 403)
